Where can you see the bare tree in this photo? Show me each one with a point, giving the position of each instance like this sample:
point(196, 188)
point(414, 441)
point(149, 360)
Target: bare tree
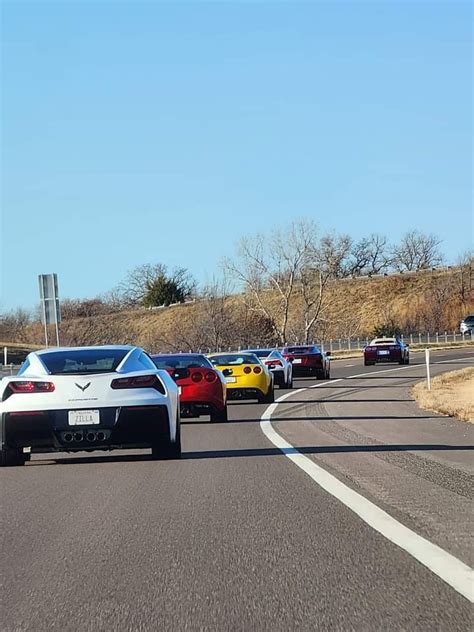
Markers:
point(268, 269)
point(216, 314)
point(416, 251)
point(369, 256)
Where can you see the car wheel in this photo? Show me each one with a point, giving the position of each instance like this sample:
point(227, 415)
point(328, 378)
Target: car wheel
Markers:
point(219, 415)
point(328, 374)
point(170, 449)
point(269, 398)
point(321, 375)
point(289, 385)
point(407, 360)
point(11, 456)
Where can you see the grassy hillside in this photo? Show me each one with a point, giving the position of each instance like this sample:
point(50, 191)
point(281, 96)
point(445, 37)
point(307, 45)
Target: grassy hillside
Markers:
point(429, 301)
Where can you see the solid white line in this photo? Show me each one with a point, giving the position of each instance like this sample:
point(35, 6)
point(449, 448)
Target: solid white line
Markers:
point(447, 567)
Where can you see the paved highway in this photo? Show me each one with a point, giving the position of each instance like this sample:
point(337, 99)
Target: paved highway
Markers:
point(237, 536)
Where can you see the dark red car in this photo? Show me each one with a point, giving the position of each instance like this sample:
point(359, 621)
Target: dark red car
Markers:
point(386, 350)
point(202, 388)
point(308, 360)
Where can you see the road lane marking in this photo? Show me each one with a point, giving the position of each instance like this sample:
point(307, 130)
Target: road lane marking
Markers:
point(447, 567)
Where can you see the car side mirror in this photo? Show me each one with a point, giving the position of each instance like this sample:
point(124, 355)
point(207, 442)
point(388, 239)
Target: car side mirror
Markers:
point(328, 353)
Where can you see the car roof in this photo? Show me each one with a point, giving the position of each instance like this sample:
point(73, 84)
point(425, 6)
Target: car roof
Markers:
point(88, 348)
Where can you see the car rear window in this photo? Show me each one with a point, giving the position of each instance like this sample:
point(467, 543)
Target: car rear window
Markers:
point(385, 341)
point(79, 361)
point(181, 361)
point(261, 353)
point(225, 359)
point(301, 350)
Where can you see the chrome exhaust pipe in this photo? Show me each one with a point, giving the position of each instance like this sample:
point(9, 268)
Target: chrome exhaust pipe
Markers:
point(68, 437)
point(91, 436)
point(100, 436)
point(78, 436)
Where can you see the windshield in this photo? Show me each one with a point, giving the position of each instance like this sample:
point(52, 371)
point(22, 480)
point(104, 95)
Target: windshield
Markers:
point(181, 361)
point(234, 359)
point(76, 361)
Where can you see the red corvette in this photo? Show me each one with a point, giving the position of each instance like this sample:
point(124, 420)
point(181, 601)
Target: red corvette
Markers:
point(202, 387)
point(386, 350)
point(308, 359)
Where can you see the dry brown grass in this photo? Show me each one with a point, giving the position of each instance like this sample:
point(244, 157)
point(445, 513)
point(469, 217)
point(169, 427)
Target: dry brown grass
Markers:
point(451, 394)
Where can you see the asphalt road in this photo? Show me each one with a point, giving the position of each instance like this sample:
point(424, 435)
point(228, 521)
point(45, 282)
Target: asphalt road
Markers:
point(235, 536)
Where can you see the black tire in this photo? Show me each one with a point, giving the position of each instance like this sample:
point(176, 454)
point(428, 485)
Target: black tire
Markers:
point(367, 363)
point(168, 450)
point(219, 416)
point(11, 456)
point(321, 375)
point(289, 386)
point(407, 360)
point(269, 398)
point(328, 374)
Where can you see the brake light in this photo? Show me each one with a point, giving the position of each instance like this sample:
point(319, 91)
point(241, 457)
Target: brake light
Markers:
point(196, 377)
point(210, 377)
point(140, 381)
point(247, 369)
point(257, 369)
point(31, 387)
point(274, 363)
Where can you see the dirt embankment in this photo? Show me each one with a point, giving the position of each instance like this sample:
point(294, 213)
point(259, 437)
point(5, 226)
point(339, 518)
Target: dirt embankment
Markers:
point(451, 394)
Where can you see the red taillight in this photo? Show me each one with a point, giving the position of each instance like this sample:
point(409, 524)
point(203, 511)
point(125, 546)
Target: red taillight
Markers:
point(210, 376)
point(196, 377)
point(247, 369)
point(273, 363)
point(31, 387)
point(140, 381)
point(257, 369)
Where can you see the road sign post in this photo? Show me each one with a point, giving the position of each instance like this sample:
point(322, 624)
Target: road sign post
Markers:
point(50, 311)
point(428, 376)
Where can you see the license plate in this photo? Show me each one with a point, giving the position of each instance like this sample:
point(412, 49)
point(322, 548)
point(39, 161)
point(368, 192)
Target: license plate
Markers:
point(83, 417)
point(230, 380)
point(383, 352)
point(297, 361)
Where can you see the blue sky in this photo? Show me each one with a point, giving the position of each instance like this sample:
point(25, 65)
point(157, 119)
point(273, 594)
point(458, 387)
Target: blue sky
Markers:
point(144, 132)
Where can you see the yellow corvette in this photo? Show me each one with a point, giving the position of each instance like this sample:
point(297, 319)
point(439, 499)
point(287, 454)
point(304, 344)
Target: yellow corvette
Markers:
point(246, 377)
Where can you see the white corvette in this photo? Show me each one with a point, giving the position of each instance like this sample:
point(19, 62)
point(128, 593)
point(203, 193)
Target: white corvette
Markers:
point(88, 398)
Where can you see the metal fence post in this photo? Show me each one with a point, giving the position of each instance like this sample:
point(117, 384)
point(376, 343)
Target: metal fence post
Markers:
point(349, 344)
point(330, 345)
point(419, 338)
point(411, 339)
point(5, 356)
point(428, 337)
point(339, 344)
point(445, 336)
point(437, 338)
point(358, 343)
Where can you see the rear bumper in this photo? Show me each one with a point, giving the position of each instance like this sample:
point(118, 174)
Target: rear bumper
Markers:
point(393, 357)
point(244, 393)
point(49, 431)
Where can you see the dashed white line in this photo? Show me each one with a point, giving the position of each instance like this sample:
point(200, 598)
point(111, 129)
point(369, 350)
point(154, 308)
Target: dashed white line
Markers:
point(447, 567)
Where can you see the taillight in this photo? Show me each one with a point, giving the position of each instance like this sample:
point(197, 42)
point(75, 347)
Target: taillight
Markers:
point(140, 381)
point(196, 377)
point(273, 363)
point(247, 369)
point(31, 387)
point(257, 369)
point(210, 377)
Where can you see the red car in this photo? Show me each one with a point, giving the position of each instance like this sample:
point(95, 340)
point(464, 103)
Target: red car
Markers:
point(308, 360)
point(202, 388)
point(386, 350)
